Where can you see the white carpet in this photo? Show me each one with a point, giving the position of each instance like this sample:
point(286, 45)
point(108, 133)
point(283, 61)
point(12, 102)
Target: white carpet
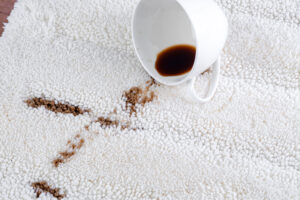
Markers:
point(244, 144)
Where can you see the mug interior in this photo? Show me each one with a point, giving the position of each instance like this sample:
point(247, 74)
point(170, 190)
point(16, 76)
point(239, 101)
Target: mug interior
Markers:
point(158, 25)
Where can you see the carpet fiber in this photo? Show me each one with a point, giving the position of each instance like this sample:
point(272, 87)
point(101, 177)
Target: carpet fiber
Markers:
point(81, 119)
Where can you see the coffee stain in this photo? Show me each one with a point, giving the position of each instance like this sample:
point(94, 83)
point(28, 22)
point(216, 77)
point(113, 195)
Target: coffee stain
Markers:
point(151, 82)
point(55, 106)
point(138, 96)
point(72, 148)
point(43, 186)
point(133, 97)
point(87, 127)
point(107, 122)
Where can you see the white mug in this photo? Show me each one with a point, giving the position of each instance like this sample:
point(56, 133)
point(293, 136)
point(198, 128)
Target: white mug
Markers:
point(159, 24)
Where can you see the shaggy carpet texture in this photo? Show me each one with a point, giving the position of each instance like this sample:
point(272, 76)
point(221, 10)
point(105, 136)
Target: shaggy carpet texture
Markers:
point(81, 119)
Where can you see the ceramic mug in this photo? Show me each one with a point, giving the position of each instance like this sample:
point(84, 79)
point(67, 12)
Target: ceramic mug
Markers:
point(159, 24)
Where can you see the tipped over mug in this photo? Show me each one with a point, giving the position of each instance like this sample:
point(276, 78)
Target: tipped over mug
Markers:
point(159, 24)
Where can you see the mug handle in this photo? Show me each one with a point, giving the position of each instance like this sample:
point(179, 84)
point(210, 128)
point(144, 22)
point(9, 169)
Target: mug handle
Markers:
point(212, 86)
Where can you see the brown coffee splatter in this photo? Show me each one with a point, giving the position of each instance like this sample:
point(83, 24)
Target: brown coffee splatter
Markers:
point(58, 107)
point(72, 148)
point(147, 99)
point(138, 96)
point(150, 83)
point(42, 186)
point(127, 126)
point(107, 122)
point(57, 162)
point(133, 97)
point(81, 142)
point(66, 154)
